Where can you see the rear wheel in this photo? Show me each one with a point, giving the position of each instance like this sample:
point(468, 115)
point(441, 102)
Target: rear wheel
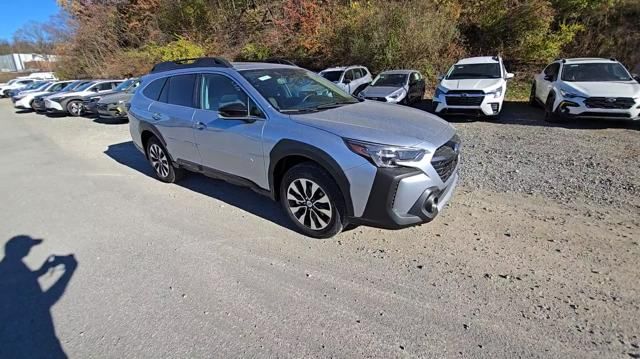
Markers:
point(550, 115)
point(161, 162)
point(312, 201)
point(74, 108)
point(532, 96)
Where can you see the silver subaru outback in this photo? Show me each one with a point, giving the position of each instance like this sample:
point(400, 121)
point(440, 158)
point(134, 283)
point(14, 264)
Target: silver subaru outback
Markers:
point(330, 159)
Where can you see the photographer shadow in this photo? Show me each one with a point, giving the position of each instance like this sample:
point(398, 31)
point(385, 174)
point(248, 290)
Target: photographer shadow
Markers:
point(26, 325)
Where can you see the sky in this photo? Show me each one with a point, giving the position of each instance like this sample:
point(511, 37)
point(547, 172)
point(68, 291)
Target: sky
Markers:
point(16, 13)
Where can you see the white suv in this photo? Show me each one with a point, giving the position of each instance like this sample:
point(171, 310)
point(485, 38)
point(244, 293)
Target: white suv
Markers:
point(473, 86)
point(586, 88)
point(352, 79)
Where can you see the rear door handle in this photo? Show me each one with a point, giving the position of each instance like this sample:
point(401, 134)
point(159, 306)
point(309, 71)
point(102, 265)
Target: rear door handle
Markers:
point(200, 125)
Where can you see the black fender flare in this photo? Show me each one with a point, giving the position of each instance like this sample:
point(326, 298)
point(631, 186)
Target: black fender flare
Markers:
point(145, 126)
point(286, 148)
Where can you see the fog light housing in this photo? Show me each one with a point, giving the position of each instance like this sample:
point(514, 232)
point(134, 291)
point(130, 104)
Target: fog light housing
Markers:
point(495, 107)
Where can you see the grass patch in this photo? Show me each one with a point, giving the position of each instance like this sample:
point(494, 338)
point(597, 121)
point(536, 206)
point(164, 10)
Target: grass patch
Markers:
point(518, 89)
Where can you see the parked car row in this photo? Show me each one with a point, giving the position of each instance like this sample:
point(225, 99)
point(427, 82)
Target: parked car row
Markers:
point(106, 99)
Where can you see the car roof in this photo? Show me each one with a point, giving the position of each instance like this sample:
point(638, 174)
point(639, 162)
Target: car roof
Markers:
point(241, 66)
point(478, 60)
point(342, 68)
point(400, 72)
point(578, 60)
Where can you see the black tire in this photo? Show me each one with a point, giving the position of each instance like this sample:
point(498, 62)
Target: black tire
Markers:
point(74, 108)
point(549, 114)
point(161, 163)
point(308, 207)
point(533, 101)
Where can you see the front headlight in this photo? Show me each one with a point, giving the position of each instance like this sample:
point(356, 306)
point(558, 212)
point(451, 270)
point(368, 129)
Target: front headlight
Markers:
point(439, 92)
point(398, 94)
point(567, 94)
point(385, 155)
point(497, 93)
point(122, 102)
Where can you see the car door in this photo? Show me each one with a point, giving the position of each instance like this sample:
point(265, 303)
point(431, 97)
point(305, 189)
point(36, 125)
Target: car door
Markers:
point(173, 114)
point(229, 143)
point(347, 81)
point(545, 81)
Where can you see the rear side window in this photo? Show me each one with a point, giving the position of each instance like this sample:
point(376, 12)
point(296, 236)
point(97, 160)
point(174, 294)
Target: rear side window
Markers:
point(153, 90)
point(180, 90)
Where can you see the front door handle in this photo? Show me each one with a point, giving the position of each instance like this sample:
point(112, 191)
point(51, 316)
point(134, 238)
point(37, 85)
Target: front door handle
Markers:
point(156, 116)
point(200, 125)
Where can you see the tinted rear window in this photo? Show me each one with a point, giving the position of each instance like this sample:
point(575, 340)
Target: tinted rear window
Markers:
point(181, 90)
point(153, 90)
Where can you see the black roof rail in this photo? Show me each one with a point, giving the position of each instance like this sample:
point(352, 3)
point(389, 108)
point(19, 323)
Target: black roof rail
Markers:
point(564, 61)
point(613, 59)
point(188, 63)
point(495, 58)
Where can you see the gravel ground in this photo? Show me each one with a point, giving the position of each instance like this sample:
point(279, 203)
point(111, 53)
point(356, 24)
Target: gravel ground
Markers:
point(536, 256)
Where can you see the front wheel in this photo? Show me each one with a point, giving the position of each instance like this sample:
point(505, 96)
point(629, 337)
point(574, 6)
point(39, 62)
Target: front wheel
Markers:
point(312, 201)
point(74, 108)
point(550, 115)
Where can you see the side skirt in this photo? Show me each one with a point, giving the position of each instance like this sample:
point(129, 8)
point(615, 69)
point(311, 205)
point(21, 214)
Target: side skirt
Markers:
point(224, 176)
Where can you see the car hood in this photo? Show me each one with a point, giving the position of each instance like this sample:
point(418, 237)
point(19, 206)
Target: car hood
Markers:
point(381, 123)
point(604, 89)
point(379, 91)
point(115, 97)
point(471, 84)
point(33, 93)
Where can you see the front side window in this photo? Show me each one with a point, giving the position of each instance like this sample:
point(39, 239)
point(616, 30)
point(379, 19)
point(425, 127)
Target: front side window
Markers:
point(393, 80)
point(84, 86)
point(552, 71)
point(219, 91)
point(333, 76)
point(297, 90)
point(475, 71)
point(612, 71)
point(57, 87)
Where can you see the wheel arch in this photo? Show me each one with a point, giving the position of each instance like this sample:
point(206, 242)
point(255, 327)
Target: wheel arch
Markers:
point(147, 131)
point(288, 153)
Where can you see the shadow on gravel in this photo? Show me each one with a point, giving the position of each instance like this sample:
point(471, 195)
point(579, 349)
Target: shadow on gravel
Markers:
point(107, 121)
point(128, 155)
point(520, 113)
point(26, 325)
point(23, 111)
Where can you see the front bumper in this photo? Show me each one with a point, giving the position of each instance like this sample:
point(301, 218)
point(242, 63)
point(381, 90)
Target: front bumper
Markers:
point(23, 103)
point(53, 107)
point(38, 105)
point(487, 106)
point(403, 197)
point(112, 111)
point(89, 107)
point(576, 108)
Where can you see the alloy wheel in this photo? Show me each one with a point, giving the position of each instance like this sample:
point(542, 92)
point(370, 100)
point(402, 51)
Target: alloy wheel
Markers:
point(159, 160)
point(309, 204)
point(75, 108)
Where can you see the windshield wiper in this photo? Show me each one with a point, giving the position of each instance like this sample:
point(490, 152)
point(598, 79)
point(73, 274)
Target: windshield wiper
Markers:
point(333, 105)
point(298, 110)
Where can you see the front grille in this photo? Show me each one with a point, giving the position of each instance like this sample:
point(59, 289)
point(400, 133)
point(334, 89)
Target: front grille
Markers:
point(382, 99)
point(620, 103)
point(445, 159)
point(468, 92)
point(464, 100)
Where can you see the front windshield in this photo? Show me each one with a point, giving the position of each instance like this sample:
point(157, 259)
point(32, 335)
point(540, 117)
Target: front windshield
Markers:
point(595, 72)
point(34, 85)
point(83, 87)
point(296, 90)
point(392, 80)
point(474, 71)
point(333, 76)
point(125, 85)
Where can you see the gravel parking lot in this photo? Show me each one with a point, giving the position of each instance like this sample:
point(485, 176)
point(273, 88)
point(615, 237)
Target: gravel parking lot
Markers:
point(536, 256)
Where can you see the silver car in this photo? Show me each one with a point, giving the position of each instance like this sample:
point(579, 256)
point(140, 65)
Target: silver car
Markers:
point(396, 86)
point(330, 159)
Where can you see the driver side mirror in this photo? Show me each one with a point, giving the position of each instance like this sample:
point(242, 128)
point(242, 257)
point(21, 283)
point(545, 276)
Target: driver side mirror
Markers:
point(636, 77)
point(235, 111)
point(510, 75)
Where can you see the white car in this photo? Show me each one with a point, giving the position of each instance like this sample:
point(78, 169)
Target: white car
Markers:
point(71, 102)
point(474, 86)
point(24, 99)
point(15, 84)
point(586, 88)
point(352, 79)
